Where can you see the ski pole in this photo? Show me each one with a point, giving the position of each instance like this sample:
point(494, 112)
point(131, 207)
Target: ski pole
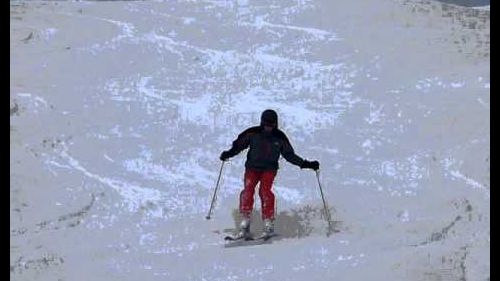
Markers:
point(327, 212)
point(215, 192)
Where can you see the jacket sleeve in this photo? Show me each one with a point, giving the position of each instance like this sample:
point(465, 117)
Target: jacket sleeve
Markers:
point(240, 143)
point(289, 154)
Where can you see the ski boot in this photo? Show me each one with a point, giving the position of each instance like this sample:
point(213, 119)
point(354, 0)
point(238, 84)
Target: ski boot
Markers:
point(268, 229)
point(244, 232)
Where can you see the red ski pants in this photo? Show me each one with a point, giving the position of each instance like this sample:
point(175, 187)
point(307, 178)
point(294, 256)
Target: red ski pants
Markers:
point(252, 177)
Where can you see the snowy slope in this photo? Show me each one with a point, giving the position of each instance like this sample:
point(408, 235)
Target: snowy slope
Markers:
point(120, 109)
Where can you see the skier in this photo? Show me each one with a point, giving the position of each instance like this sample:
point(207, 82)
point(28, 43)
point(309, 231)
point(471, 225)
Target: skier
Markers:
point(266, 144)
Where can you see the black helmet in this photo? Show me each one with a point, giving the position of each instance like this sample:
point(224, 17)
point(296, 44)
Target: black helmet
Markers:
point(269, 117)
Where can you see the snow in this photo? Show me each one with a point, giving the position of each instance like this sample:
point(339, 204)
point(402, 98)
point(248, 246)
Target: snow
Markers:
point(115, 140)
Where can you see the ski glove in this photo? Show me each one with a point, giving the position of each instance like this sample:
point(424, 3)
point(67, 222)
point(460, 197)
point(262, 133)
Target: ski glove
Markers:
point(310, 165)
point(224, 155)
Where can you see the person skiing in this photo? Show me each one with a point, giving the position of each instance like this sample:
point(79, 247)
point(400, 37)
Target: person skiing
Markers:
point(266, 143)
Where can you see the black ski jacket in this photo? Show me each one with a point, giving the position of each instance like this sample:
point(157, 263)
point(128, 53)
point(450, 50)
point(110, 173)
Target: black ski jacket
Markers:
point(265, 148)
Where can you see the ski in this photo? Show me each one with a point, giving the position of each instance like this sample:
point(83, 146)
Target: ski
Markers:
point(253, 241)
point(266, 237)
point(244, 238)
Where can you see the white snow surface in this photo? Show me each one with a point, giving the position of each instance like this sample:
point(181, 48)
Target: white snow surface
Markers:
point(120, 109)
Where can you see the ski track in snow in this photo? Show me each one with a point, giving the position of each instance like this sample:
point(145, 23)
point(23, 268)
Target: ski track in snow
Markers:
point(215, 60)
point(174, 179)
point(449, 164)
point(134, 195)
